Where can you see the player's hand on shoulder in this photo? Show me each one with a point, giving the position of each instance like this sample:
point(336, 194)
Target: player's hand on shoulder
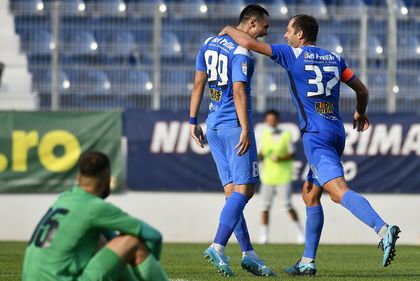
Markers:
point(197, 135)
point(225, 30)
point(360, 121)
point(244, 142)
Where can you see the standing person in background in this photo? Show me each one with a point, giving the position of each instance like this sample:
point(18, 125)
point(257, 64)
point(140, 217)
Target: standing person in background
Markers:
point(276, 150)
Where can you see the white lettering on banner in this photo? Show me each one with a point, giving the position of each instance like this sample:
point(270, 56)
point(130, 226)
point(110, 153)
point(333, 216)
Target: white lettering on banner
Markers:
point(297, 166)
point(351, 139)
point(350, 170)
point(175, 138)
point(184, 138)
point(383, 141)
point(164, 137)
point(363, 142)
point(412, 142)
point(379, 139)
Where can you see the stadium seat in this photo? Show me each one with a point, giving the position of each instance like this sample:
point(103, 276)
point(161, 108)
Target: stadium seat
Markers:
point(110, 7)
point(27, 7)
point(74, 7)
point(130, 81)
point(170, 46)
point(193, 43)
point(37, 42)
point(270, 85)
point(317, 8)
point(79, 43)
point(375, 47)
point(189, 9)
point(41, 81)
point(177, 82)
point(408, 47)
point(88, 82)
point(227, 8)
point(115, 43)
point(330, 42)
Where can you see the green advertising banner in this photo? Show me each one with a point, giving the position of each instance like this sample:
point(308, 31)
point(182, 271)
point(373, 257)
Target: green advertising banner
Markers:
point(39, 151)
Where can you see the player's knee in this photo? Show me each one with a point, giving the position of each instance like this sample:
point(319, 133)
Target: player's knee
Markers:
point(131, 242)
point(336, 198)
point(310, 199)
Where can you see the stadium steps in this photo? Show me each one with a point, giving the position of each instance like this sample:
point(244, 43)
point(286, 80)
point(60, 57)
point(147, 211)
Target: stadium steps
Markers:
point(15, 90)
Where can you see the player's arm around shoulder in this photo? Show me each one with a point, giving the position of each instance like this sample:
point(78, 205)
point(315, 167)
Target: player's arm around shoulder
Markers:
point(244, 40)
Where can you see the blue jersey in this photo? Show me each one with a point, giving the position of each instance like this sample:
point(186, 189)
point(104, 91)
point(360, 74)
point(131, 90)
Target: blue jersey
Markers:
point(225, 63)
point(314, 82)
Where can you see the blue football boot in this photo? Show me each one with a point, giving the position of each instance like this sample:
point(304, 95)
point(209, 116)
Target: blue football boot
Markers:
point(256, 266)
point(220, 261)
point(387, 244)
point(301, 269)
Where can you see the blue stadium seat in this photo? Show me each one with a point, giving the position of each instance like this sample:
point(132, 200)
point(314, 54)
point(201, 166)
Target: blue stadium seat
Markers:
point(27, 7)
point(270, 85)
point(177, 82)
point(110, 7)
point(130, 81)
point(189, 9)
point(170, 46)
point(317, 8)
point(41, 81)
point(37, 42)
point(69, 7)
point(408, 46)
point(79, 43)
point(227, 8)
point(375, 47)
point(116, 43)
point(88, 82)
point(330, 42)
point(193, 43)
point(377, 81)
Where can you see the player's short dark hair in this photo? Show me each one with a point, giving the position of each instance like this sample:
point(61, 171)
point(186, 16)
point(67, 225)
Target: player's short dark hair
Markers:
point(272, 112)
point(308, 25)
point(94, 164)
point(253, 10)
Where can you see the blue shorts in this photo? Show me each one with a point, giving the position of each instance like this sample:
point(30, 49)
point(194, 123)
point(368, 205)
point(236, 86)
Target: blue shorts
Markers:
point(231, 167)
point(323, 152)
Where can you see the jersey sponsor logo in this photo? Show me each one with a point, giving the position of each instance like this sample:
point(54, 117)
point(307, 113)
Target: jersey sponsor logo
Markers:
point(213, 107)
point(324, 107)
point(215, 95)
point(315, 56)
point(224, 42)
point(244, 68)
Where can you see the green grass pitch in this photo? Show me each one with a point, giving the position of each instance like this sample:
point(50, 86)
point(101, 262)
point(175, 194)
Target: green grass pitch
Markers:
point(185, 262)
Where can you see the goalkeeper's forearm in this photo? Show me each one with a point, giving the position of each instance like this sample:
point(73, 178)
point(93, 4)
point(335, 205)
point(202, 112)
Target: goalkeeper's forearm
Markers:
point(152, 238)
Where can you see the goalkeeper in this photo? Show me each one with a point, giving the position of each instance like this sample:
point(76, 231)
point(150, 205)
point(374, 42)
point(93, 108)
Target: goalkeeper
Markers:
point(66, 244)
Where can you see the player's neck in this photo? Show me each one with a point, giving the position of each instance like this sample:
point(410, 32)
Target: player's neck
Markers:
point(242, 27)
point(308, 44)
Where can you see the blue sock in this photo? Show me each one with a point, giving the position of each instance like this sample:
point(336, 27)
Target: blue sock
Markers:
point(360, 208)
point(242, 234)
point(314, 224)
point(229, 217)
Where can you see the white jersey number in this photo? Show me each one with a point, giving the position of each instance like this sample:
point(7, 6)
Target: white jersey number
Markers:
point(217, 66)
point(318, 79)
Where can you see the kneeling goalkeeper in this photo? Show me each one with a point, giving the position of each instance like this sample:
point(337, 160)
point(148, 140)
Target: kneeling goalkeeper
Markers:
point(66, 244)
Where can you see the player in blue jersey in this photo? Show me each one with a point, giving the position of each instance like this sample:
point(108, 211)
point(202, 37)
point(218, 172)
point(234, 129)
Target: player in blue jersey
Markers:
point(228, 69)
point(314, 82)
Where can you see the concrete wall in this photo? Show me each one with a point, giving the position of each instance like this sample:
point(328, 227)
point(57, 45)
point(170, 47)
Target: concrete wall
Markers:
point(193, 217)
